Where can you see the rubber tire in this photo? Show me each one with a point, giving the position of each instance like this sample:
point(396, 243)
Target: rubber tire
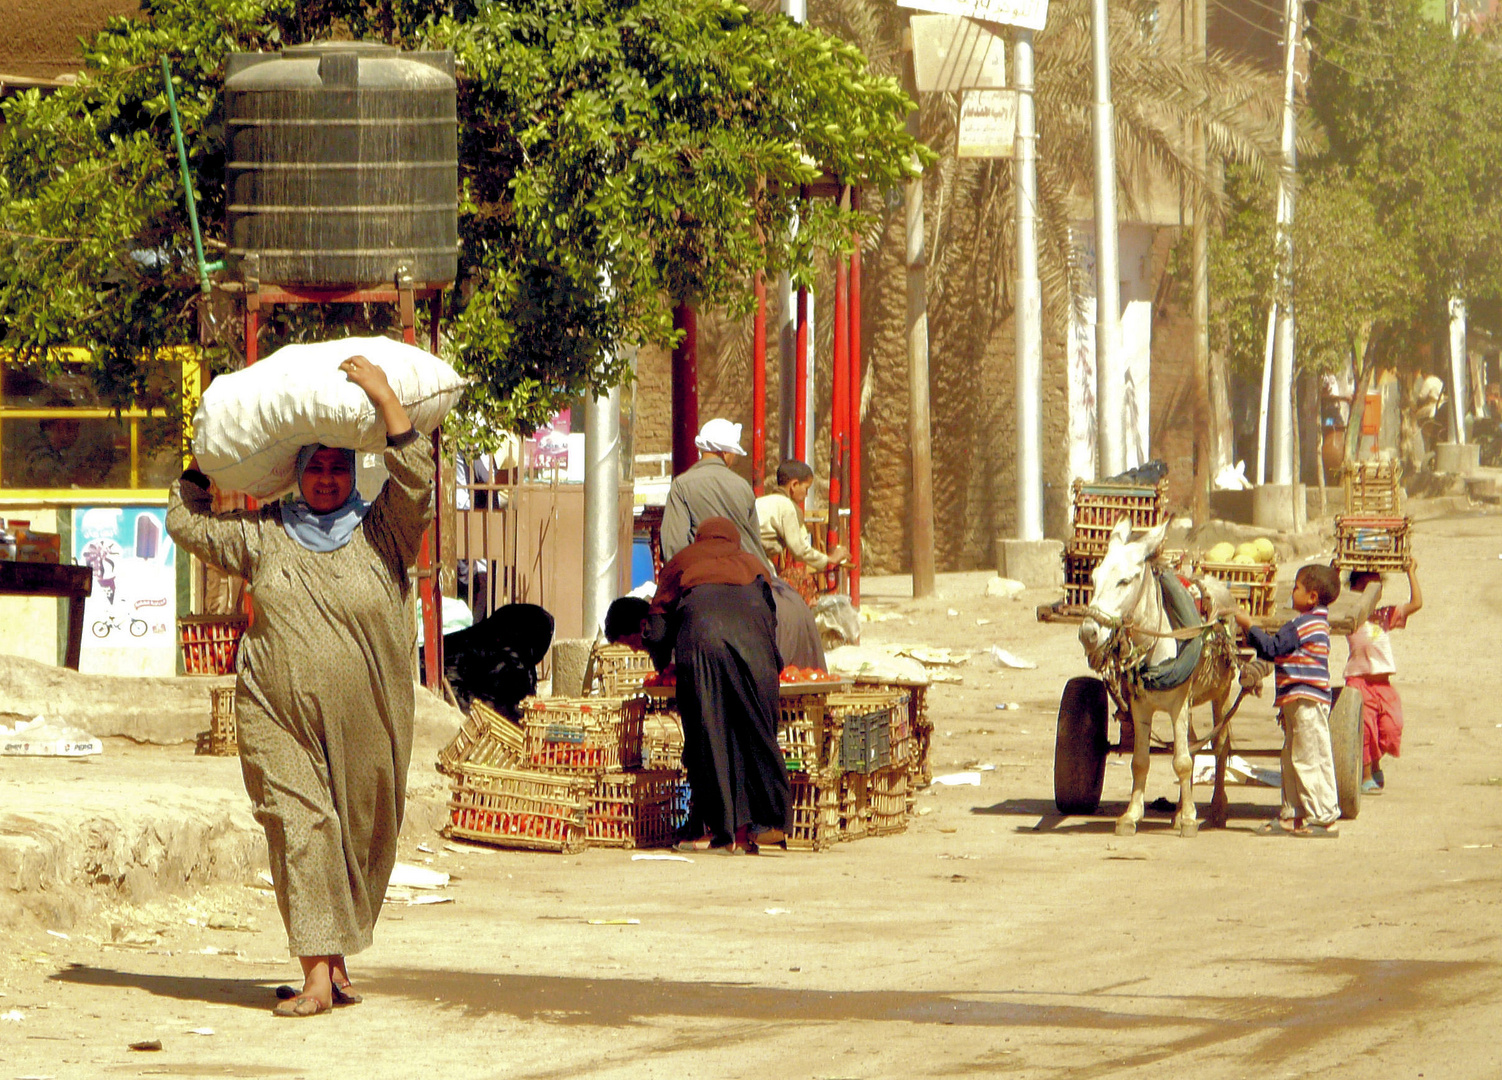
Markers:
point(1345, 747)
point(1080, 746)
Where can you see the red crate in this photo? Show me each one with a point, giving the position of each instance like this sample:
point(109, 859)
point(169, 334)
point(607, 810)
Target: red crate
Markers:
point(210, 643)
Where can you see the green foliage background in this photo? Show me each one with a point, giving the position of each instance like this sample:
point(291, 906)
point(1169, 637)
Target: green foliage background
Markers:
point(616, 157)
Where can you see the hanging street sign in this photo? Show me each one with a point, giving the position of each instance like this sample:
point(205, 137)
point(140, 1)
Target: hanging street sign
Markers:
point(951, 54)
point(988, 124)
point(1028, 14)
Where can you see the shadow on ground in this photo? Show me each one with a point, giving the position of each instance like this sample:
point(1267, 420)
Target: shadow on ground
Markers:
point(1104, 819)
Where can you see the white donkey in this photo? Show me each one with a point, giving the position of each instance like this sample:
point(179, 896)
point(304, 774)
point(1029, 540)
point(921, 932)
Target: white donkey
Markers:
point(1151, 668)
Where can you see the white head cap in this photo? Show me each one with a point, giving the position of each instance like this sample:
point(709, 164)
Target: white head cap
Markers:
point(720, 436)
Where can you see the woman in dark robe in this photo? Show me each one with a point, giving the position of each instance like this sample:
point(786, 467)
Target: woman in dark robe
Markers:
point(714, 611)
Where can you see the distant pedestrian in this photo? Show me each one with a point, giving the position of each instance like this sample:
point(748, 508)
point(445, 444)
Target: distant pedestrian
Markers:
point(1300, 651)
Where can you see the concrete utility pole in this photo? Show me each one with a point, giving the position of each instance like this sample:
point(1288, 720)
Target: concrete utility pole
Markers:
point(1110, 379)
point(1280, 405)
point(787, 324)
point(1205, 465)
point(1029, 310)
point(920, 446)
point(602, 482)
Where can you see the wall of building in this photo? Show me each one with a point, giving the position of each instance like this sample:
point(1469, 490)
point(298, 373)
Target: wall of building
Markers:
point(41, 36)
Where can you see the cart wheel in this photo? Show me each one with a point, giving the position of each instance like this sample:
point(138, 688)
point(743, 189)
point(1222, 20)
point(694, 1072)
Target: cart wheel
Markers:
point(1080, 746)
point(1345, 746)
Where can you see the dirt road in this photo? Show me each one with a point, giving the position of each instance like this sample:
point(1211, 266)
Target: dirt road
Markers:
point(991, 939)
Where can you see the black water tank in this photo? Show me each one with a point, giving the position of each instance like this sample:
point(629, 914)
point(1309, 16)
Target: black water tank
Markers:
point(342, 164)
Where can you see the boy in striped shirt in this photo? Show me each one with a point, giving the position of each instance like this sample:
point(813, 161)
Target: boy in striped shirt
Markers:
point(1300, 651)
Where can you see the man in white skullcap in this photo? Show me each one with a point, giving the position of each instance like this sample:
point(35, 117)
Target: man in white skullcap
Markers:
point(710, 488)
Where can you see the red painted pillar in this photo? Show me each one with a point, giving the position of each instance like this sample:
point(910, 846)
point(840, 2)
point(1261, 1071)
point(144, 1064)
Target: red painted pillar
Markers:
point(685, 389)
point(430, 558)
point(759, 387)
point(839, 400)
point(853, 497)
point(801, 444)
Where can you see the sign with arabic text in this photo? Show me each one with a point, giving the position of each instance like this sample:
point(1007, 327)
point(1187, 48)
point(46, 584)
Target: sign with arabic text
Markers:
point(1028, 14)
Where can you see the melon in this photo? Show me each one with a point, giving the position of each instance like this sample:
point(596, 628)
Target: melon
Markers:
point(1263, 548)
point(1221, 553)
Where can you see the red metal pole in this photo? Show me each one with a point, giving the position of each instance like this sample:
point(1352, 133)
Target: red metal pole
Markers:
point(853, 574)
point(433, 611)
point(801, 445)
point(838, 400)
point(685, 389)
point(759, 387)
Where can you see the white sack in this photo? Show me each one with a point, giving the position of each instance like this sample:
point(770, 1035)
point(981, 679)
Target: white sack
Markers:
point(251, 423)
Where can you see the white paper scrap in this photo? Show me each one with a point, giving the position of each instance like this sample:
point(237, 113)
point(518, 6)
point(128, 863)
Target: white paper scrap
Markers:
point(959, 779)
point(407, 876)
point(647, 857)
point(1009, 659)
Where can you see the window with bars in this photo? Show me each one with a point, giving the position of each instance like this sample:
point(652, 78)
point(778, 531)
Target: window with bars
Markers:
point(59, 437)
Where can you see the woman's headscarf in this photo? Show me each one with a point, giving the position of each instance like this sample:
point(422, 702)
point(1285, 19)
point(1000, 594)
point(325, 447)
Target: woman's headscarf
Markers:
point(714, 558)
point(323, 532)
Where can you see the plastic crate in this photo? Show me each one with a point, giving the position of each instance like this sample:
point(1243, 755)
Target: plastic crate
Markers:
point(1371, 543)
point(210, 643)
point(633, 809)
point(583, 736)
point(1252, 585)
point(1372, 488)
point(815, 811)
point(222, 739)
point(620, 670)
point(519, 808)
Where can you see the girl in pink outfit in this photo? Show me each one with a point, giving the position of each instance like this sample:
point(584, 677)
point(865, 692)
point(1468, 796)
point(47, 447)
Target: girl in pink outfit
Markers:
point(1370, 668)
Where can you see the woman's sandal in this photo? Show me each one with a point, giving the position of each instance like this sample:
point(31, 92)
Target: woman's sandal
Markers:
point(703, 843)
point(347, 995)
point(769, 837)
point(1275, 827)
point(299, 1006)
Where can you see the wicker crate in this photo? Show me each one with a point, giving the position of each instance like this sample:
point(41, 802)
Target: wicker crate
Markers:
point(1252, 585)
point(1079, 588)
point(662, 741)
point(620, 670)
point(210, 643)
point(815, 811)
point(222, 738)
point(583, 736)
point(518, 808)
point(633, 809)
point(1372, 488)
point(890, 801)
point(485, 738)
point(808, 735)
point(1372, 543)
point(855, 810)
point(1099, 506)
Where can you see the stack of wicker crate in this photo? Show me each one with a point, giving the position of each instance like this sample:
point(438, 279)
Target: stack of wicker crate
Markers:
point(569, 775)
point(849, 757)
point(1373, 534)
point(1097, 509)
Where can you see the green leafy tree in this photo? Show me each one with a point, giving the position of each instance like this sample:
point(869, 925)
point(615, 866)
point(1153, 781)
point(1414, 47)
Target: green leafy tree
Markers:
point(617, 157)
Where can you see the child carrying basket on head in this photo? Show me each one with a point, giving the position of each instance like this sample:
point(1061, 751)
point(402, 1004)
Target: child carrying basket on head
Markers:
point(1369, 668)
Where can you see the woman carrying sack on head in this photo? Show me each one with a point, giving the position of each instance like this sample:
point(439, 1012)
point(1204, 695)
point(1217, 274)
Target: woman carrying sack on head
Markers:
point(324, 698)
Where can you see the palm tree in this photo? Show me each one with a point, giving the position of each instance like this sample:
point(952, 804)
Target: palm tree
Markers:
point(1165, 95)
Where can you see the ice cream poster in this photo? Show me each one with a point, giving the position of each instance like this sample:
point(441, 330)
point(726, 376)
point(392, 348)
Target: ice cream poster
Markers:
point(130, 617)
